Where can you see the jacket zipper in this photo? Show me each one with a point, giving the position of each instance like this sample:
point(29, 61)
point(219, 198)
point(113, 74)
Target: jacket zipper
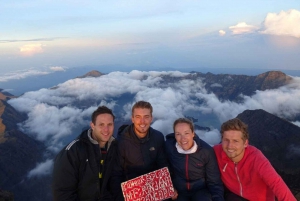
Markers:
point(187, 171)
point(238, 178)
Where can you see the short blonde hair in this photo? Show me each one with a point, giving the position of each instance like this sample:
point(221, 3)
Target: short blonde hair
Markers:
point(236, 125)
point(142, 104)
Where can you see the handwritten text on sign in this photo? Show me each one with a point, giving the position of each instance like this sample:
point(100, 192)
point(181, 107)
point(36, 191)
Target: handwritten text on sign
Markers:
point(154, 186)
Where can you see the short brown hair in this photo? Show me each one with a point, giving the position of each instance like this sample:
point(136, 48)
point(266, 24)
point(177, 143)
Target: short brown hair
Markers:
point(183, 120)
point(101, 110)
point(142, 104)
point(236, 125)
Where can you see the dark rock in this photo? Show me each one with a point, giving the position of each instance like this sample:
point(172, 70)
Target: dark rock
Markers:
point(6, 196)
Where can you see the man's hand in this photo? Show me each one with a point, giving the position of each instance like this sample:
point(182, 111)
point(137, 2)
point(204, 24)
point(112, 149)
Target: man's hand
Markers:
point(174, 197)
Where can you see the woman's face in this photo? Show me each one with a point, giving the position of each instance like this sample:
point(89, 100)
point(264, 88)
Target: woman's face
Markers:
point(184, 135)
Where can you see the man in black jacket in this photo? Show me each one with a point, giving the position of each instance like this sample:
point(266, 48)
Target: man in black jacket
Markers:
point(82, 169)
point(141, 148)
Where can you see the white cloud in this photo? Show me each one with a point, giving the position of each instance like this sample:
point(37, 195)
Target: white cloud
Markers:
point(242, 28)
point(211, 137)
point(297, 123)
point(216, 85)
point(52, 111)
point(285, 23)
point(16, 75)
point(222, 32)
point(57, 68)
point(31, 49)
point(54, 115)
point(43, 168)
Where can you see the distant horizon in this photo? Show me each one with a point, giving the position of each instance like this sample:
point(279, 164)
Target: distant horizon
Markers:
point(18, 82)
point(150, 35)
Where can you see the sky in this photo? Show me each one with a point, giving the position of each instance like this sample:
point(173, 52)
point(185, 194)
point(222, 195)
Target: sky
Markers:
point(46, 36)
point(56, 116)
point(131, 39)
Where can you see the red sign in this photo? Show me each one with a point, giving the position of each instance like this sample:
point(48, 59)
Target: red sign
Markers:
point(154, 186)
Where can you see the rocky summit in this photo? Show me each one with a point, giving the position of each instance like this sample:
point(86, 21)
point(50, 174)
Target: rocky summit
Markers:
point(92, 73)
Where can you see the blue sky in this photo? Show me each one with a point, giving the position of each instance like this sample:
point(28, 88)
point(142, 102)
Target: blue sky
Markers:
point(52, 35)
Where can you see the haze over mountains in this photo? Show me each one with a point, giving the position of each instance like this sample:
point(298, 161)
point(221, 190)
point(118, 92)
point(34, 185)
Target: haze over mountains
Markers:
point(50, 118)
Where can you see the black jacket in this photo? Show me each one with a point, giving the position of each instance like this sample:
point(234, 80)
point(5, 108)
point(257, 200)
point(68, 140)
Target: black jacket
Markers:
point(192, 172)
point(76, 171)
point(138, 156)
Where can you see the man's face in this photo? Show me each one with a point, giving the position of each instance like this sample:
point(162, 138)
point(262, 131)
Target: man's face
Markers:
point(233, 145)
point(103, 128)
point(184, 136)
point(141, 118)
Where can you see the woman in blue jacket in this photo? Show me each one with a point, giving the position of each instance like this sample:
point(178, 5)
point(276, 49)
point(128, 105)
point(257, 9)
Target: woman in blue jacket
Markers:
point(194, 167)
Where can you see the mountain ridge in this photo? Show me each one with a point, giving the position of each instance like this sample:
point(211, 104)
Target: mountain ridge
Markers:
point(17, 150)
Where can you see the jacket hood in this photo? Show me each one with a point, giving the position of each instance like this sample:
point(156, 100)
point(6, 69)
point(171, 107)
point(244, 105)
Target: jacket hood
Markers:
point(84, 137)
point(170, 136)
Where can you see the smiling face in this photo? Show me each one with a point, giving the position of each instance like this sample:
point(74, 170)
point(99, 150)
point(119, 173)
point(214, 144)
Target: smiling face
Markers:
point(234, 145)
point(141, 118)
point(103, 128)
point(184, 135)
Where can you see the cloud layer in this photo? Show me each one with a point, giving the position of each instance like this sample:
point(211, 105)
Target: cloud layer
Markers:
point(17, 75)
point(54, 114)
point(22, 74)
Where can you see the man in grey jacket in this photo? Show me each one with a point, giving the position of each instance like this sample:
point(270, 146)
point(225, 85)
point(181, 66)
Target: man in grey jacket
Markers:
point(82, 169)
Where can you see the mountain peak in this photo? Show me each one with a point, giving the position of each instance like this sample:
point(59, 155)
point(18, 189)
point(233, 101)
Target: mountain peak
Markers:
point(93, 73)
point(273, 79)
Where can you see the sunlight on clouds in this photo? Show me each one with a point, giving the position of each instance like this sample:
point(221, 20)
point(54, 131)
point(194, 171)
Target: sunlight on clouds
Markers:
point(222, 32)
point(31, 49)
point(283, 23)
point(57, 68)
point(242, 28)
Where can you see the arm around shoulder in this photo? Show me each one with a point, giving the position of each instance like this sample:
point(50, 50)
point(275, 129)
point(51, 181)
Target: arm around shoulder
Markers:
point(214, 182)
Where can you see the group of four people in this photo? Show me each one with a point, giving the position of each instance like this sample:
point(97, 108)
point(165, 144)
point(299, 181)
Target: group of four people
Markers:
point(93, 166)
